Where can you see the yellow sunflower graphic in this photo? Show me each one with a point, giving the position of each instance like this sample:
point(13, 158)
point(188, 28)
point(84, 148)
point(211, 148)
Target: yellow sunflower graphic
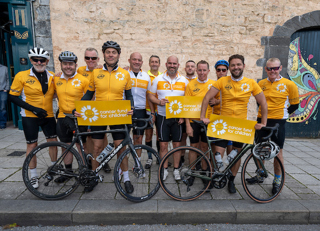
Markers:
point(219, 126)
point(175, 107)
point(89, 113)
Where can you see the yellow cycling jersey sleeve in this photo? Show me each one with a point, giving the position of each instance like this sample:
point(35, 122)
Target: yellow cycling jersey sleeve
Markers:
point(83, 71)
point(27, 85)
point(235, 95)
point(69, 91)
point(110, 86)
point(279, 95)
point(197, 88)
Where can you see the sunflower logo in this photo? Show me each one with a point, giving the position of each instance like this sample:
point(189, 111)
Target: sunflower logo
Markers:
point(281, 87)
point(119, 76)
point(166, 86)
point(175, 107)
point(89, 113)
point(219, 126)
point(76, 82)
point(245, 87)
point(210, 85)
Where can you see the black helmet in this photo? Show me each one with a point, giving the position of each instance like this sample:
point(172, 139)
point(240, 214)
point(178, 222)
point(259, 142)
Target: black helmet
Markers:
point(68, 56)
point(111, 44)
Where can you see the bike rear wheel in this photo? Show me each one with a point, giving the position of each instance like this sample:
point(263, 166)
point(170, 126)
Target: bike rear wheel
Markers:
point(45, 154)
point(261, 190)
point(145, 184)
point(181, 190)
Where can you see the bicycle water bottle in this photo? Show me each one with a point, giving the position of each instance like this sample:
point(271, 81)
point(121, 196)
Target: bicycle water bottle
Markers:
point(231, 156)
point(105, 152)
point(219, 160)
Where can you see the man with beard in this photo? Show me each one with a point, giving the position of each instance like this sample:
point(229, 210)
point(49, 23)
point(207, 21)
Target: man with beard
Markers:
point(170, 83)
point(36, 89)
point(110, 83)
point(235, 94)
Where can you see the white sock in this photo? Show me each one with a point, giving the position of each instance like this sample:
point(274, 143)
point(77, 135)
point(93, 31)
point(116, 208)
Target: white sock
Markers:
point(53, 162)
point(126, 176)
point(33, 172)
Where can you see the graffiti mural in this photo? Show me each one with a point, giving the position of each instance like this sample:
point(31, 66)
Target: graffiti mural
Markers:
point(308, 81)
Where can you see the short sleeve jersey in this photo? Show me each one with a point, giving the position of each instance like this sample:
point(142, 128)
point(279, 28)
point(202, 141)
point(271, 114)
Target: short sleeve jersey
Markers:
point(152, 77)
point(110, 86)
point(163, 86)
point(235, 95)
point(69, 91)
point(27, 85)
point(85, 72)
point(279, 95)
point(140, 85)
point(200, 88)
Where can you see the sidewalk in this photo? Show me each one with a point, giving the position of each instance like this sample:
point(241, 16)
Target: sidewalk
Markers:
point(299, 202)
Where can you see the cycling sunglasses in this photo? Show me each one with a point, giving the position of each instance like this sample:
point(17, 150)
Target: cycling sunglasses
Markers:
point(92, 58)
point(273, 68)
point(37, 60)
point(223, 70)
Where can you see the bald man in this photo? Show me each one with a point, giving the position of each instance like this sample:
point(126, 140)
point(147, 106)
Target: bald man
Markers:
point(170, 83)
point(141, 83)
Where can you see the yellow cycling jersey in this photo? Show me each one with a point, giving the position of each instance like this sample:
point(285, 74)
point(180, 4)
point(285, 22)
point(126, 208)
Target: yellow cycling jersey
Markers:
point(85, 72)
point(110, 86)
point(27, 85)
point(200, 88)
point(69, 91)
point(235, 95)
point(279, 95)
point(152, 76)
point(217, 108)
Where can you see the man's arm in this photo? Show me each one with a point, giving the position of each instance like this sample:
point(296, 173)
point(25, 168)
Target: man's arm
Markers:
point(129, 96)
point(39, 112)
point(292, 108)
point(210, 94)
point(157, 101)
point(88, 95)
point(261, 100)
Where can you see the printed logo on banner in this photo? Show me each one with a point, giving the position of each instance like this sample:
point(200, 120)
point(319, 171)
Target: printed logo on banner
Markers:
point(89, 113)
point(175, 107)
point(219, 126)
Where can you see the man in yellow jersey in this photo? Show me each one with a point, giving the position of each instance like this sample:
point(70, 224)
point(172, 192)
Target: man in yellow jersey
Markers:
point(170, 83)
point(36, 89)
point(199, 87)
point(70, 87)
point(235, 94)
point(280, 93)
point(154, 64)
point(110, 83)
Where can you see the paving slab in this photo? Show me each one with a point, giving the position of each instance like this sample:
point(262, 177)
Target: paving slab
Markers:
point(314, 207)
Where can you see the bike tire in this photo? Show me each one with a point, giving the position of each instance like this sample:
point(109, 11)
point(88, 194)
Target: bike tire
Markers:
point(180, 190)
point(48, 189)
point(261, 192)
point(144, 188)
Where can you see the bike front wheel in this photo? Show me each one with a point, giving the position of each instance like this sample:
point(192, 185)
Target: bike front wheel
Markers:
point(144, 180)
point(191, 186)
point(50, 185)
point(258, 179)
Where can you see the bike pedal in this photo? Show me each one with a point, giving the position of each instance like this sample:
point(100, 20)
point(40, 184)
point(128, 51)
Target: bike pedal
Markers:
point(101, 177)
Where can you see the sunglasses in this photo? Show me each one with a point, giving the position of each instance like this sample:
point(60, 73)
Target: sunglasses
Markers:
point(273, 68)
point(223, 70)
point(92, 58)
point(37, 60)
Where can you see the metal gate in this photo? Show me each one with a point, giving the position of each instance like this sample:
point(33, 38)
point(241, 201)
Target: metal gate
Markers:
point(303, 70)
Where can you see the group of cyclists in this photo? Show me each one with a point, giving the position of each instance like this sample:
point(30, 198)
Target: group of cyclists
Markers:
point(229, 95)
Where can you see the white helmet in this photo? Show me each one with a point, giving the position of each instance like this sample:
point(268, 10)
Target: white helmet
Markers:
point(38, 52)
point(266, 150)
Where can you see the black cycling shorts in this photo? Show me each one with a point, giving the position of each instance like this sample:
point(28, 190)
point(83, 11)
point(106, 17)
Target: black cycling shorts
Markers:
point(277, 137)
point(198, 132)
point(184, 127)
point(31, 128)
point(140, 114)
point(168, 129)
point(115, 135)
point(224, 144)
point(65, 134)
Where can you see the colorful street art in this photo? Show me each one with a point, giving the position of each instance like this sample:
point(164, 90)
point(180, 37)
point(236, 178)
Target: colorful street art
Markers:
point(308, 82)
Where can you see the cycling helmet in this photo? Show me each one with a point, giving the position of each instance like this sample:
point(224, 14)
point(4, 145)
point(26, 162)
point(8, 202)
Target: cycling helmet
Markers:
point(266, 150)
point(68, 56)
point(38, 52)
point(111, 44)
point(221, 62)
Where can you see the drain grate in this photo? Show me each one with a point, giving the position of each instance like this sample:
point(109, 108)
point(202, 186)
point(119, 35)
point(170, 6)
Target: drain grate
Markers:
point(17, 153)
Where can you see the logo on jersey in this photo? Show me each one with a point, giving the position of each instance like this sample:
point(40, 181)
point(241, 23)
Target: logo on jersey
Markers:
point(196, 90)
point(166, 86)
point(245, 87)
point(281, 87)
point(30, 81)
point(219, 126)
point(100, 76)
point(119, 76)
point(228, 87)
point(85, 74)
point(210, 85)
point(76, 82)
point(89, 113)
point(175, 107)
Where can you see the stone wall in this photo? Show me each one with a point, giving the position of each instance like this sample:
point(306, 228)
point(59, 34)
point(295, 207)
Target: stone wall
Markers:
point(190, 29)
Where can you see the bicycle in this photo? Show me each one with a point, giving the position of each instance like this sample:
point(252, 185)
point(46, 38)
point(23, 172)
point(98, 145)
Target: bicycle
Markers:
point(187, 190)
point(145, 181)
